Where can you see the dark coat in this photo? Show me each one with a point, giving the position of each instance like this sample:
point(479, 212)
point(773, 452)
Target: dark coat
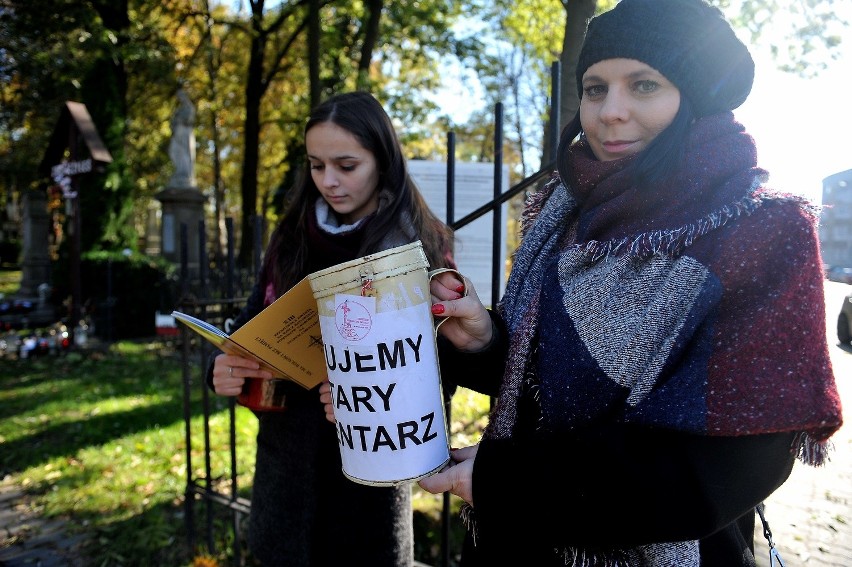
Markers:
point(304, 511)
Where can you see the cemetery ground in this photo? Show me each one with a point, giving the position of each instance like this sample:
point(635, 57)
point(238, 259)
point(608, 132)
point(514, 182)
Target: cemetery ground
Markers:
point(92, 445)
point(95, 439)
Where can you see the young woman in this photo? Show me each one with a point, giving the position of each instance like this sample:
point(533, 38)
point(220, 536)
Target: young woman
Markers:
point(659, 356)
point(357, 200)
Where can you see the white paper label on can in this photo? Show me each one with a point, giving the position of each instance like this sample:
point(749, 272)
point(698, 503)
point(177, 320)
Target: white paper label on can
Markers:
point(386, 392)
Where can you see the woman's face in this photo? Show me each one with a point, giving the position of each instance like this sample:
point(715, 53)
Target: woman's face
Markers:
point(345, 173)
point(625, 105)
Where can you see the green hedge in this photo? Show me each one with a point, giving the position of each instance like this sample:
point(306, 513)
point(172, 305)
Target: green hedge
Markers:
point(121, 292)
point(10, 253)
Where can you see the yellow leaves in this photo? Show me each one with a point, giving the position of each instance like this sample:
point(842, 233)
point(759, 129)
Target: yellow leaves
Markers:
point(204, 561)
point(539, 24)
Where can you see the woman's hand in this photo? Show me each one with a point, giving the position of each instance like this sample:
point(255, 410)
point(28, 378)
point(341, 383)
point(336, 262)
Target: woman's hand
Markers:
point(230, 373)
point(456, 478)
point(325, 399)
point(468, 326)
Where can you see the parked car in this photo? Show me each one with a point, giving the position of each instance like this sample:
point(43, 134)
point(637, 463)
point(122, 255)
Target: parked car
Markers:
point(844, 320)
point(839, 274)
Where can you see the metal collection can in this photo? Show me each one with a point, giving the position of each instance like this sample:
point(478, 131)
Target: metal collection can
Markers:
point(379, 338)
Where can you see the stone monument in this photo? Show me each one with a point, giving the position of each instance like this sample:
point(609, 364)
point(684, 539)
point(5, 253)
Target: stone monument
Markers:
point(35, 262)
point(182, 202)
point(182, 143)
point(75, 150)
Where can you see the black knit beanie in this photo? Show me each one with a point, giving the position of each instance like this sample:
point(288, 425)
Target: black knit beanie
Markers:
point(688, 41)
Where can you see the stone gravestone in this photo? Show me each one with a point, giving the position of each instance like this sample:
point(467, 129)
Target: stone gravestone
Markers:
point(182, 202)
point(35, 263)
point(153, 245)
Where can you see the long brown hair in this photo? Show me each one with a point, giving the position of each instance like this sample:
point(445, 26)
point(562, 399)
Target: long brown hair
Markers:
point(360, 114)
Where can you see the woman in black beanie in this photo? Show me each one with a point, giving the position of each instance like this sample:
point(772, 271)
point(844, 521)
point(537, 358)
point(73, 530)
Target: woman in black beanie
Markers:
point(659, 357)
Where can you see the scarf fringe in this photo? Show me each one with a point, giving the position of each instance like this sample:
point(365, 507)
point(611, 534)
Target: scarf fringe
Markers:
point(468, 519)
point(810, 451)
point(584, 558)
point(569, 556)
point(672, 242)
point(535, 201)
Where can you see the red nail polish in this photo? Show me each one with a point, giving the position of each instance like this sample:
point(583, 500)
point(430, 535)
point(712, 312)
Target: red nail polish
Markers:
point(437, 309)
point(460, 289)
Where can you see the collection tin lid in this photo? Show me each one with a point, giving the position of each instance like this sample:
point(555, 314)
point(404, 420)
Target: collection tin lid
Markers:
point(378, 266)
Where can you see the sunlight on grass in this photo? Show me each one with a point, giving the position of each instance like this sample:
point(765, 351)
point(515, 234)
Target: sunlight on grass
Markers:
point(468, 417)
point(10, 281)
point(101, 440)
point(91, 391)
point(114, 483)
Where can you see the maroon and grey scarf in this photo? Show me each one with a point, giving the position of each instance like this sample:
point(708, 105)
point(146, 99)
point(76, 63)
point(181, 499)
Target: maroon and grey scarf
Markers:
point(702, 298)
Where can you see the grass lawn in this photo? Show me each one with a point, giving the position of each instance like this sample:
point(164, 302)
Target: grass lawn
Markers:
point(10, 281)
point(98, 438)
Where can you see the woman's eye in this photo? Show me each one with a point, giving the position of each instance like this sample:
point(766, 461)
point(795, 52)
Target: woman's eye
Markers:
point(645, 87)
point(316, 166)
point(347, 167)
point(594, 91)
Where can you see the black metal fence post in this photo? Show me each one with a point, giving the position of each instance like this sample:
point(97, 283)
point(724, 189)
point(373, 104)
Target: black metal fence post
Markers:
point(555, 112)
point(189, 494)
point(232, 405)
point(497, 211)
point(448, 403)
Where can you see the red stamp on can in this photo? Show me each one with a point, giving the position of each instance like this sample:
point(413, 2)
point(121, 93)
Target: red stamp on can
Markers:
point(353, 320)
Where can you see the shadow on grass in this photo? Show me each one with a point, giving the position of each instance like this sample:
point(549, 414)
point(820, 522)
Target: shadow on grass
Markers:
point(64, 408)
point(66, 439)
point(43, 399)
point(157, 536)
point(427, 539)
point(99, 442)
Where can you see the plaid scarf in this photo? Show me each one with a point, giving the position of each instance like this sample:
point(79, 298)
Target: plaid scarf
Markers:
point(685, 311)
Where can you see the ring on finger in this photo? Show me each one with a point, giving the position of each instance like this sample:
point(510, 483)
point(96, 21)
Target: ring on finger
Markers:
point(231, 371)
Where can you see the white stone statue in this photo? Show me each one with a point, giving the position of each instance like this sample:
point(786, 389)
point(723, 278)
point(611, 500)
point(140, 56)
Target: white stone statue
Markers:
point(182, 144)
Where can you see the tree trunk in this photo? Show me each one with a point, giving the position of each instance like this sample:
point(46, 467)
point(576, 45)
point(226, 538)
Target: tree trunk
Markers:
point(251, 134)
point(577, 14)
point(213, 64)
point(108, 206)
point(371, 36)
point(314, 52)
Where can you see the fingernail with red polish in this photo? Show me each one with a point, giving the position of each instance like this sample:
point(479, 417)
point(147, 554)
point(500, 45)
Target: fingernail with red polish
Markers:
point(460, 289)
point(437, 309)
